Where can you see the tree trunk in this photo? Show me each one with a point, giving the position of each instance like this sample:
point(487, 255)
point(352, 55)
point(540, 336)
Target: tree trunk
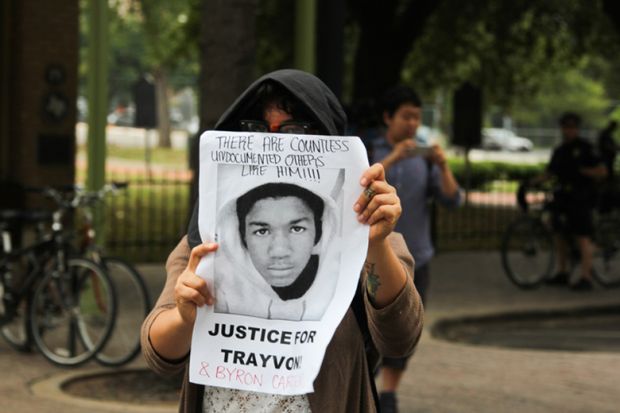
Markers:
point(387, 35)
point(162, 100)
point(330, 24)
point(228, 55)
point(377, 63)
point(227, 62)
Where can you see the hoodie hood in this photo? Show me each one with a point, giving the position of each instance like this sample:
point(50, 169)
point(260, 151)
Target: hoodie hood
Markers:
point(307, 88)
point(317, 98)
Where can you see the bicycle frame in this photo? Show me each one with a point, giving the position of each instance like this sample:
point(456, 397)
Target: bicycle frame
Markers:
point(134, 302)
point(38, 255)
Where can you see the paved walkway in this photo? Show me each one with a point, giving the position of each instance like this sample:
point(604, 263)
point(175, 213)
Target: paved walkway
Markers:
point(454, 377)
point(443, 376)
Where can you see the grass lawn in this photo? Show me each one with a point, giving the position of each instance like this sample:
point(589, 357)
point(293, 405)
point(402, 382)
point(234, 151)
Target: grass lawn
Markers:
point(147, 221)
point(161, 156)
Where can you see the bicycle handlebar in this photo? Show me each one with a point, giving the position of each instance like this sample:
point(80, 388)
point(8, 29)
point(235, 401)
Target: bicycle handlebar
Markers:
point(78, 195)
point(522, 196)
point(525, 187)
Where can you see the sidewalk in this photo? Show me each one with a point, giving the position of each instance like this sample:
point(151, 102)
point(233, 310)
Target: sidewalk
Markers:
point(443, 376)
point(454, 377)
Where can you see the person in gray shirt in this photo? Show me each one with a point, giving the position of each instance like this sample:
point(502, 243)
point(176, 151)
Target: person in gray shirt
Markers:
point(418, 173)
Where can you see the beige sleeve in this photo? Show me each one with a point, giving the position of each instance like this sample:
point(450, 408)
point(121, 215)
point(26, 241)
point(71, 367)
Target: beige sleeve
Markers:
point(176, 263)
point(396, 328)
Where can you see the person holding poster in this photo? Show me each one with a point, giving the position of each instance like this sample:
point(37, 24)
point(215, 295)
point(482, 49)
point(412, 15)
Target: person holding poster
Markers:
point(289, 101)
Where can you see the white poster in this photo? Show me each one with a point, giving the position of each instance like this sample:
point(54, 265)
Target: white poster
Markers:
point(290, 254)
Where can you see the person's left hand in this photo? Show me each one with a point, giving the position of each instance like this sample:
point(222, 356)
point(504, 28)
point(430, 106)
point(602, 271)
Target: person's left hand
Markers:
point(378, 205)
point(437, 156)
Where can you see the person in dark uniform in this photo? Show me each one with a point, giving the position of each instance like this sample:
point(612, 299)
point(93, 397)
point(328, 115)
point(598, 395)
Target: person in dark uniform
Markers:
point(576, 168)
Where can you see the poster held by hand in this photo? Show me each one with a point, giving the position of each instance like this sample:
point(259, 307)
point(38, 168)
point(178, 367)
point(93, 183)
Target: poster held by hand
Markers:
point(291, 251)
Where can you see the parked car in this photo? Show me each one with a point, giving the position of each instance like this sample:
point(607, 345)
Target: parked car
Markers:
point(505, 140)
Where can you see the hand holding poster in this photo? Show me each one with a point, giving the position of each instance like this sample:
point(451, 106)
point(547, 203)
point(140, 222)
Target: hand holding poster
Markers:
point(291, 250)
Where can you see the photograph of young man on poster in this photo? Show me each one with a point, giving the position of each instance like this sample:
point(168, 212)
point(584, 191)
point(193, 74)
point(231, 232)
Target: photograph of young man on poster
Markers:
point(277, 234)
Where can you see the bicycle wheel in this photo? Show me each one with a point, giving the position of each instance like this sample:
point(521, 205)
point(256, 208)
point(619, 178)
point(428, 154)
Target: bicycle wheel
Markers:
point(16, 331)
point(71, 308)
point(606, 260)
point(133, 305)
point(527, 252)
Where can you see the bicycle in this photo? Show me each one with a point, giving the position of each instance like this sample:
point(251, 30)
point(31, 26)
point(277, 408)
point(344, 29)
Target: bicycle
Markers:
point(64, 306)
point(527, 248)
point(133, 300)
point(132, 297)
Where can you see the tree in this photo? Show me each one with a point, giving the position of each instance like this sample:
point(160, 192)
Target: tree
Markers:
point(164, 25)
point(275, 35)
point(227, 61)
point(124, 64)
point(228, 55)
point(570, 90)
point(507, 48)
point(157, 37)
point(387, 31)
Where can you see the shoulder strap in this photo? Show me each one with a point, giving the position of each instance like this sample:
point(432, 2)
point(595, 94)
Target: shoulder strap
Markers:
point(429, 179)
point(430, 199)
point(357, 305)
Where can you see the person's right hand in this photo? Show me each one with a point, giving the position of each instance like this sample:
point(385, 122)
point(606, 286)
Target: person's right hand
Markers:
point(191, 290)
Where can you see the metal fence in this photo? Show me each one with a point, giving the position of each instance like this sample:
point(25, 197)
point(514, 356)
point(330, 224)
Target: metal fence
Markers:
point(146, 221)
point(480, 222)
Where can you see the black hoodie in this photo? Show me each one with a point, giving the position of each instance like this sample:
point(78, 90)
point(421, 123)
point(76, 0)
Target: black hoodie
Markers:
point(316, 97)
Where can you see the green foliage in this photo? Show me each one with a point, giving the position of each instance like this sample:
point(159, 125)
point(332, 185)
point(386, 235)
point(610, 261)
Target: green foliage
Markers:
point(570, 90)
point(615, 115)
point(125, 65)
point(509, 48)
point(482, 174)
point(145, 35)
point(160, 156)
point(163, 25)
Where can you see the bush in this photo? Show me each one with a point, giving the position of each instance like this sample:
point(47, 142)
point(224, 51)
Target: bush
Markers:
point(481, 174)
